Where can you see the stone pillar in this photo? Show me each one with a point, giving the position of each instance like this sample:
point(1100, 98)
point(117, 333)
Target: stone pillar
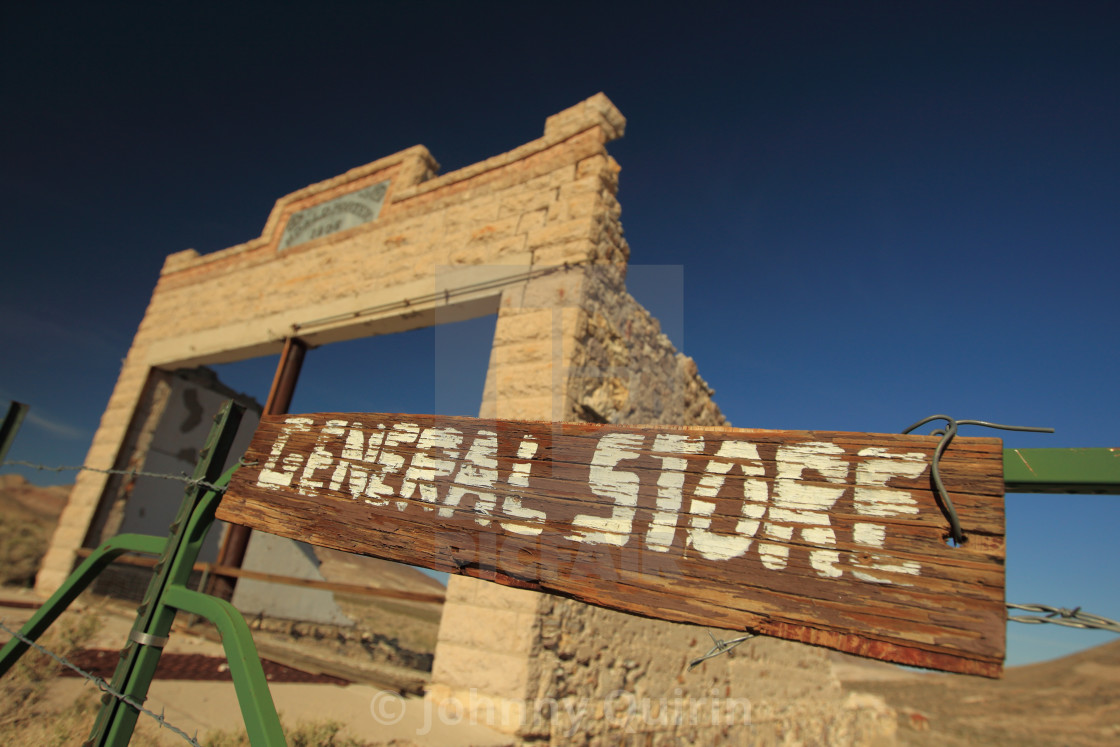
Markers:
point(489, 636)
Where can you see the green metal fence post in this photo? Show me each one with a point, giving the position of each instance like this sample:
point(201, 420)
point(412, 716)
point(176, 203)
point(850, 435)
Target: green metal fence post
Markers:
point(167, 593)
point(140, 657)
point(10, 426)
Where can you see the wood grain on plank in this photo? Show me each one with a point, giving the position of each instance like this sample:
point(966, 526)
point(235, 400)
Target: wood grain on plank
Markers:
point(833, 539)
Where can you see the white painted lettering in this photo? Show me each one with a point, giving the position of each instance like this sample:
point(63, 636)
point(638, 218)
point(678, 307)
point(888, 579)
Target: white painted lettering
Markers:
point(804, 508)
point(269, 476)
point(320, 457)
point(713, 545)
point(478, 470)
point(357, 449)
point(530, 522)
point(425, 467)
point(670, 486)
point(391, 463)
point(617, 485)
point(794, 509)
point(872, 497)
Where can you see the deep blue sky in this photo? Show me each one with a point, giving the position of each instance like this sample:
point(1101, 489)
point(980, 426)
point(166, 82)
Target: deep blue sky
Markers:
point(852, 215)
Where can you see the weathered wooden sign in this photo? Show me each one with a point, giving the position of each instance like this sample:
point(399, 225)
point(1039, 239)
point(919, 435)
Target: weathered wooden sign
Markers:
point(833, 539)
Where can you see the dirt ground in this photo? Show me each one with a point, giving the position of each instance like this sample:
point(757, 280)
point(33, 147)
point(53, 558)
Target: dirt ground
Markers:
point(1070, 701)
point(386, 657)
point(371, 713)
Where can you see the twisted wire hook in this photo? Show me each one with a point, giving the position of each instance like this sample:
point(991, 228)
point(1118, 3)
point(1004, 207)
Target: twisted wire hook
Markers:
point(948, 433)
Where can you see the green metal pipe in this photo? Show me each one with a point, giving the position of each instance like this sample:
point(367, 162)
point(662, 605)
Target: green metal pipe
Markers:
point(74, 585)
point(140, 657)
point(1062, 471)
point(262, 723)
point(10, 426)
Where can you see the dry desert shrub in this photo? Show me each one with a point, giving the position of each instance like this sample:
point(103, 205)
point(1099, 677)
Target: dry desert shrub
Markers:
point(27, 719)
point(23, 541)
point(314, 734)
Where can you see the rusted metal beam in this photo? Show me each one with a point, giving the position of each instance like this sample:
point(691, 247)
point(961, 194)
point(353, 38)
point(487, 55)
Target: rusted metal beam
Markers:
point(286, 377)
point(231, 553)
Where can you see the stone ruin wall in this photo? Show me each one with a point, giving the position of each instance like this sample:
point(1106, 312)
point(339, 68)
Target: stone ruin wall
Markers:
point(629, 373)
point(608, 674)
point(533, 235)
point(480, 234)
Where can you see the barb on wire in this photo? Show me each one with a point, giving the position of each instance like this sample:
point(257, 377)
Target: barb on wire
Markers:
point(126, 472)
point(102, 685)
point(1072, 618)
point(719, 648)
point(948, 433)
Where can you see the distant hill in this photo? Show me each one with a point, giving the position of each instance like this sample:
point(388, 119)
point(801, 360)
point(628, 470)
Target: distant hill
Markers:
point(47, 502)
point(381, 574)
point(28, 515)
point(1074, 700)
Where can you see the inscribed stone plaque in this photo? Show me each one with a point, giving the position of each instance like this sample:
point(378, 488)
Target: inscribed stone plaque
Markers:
point(339, 214)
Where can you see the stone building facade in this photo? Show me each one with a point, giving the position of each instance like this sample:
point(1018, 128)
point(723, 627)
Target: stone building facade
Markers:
point(534, 236)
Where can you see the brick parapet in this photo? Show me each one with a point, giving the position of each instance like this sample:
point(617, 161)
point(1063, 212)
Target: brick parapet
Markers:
point(571, 137)
point(555, 225)
point(406, 168)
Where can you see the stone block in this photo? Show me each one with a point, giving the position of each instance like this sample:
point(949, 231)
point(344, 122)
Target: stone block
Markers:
point(595, 111)
point(567, 252)
point(587, 185)
point(486, 251)
point(461, 590)
point(517, 201)
point(493, 229)
point(533, 351)
point(552, 407)
point(532, 380)
point(560, 232)
point(508, 715)
point(594, 165)
point(516, 325)
point(578, 207)
point(496, 674)
point(178, 261)
point(52, 573)
point(532, 220)
point(482, 627)
point(498, 597)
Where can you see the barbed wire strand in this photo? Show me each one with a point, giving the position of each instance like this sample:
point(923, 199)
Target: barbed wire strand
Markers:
point(948, 433)
point(719, 648)
point(1071, 618)
point(103, 686)
point(190, 481)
